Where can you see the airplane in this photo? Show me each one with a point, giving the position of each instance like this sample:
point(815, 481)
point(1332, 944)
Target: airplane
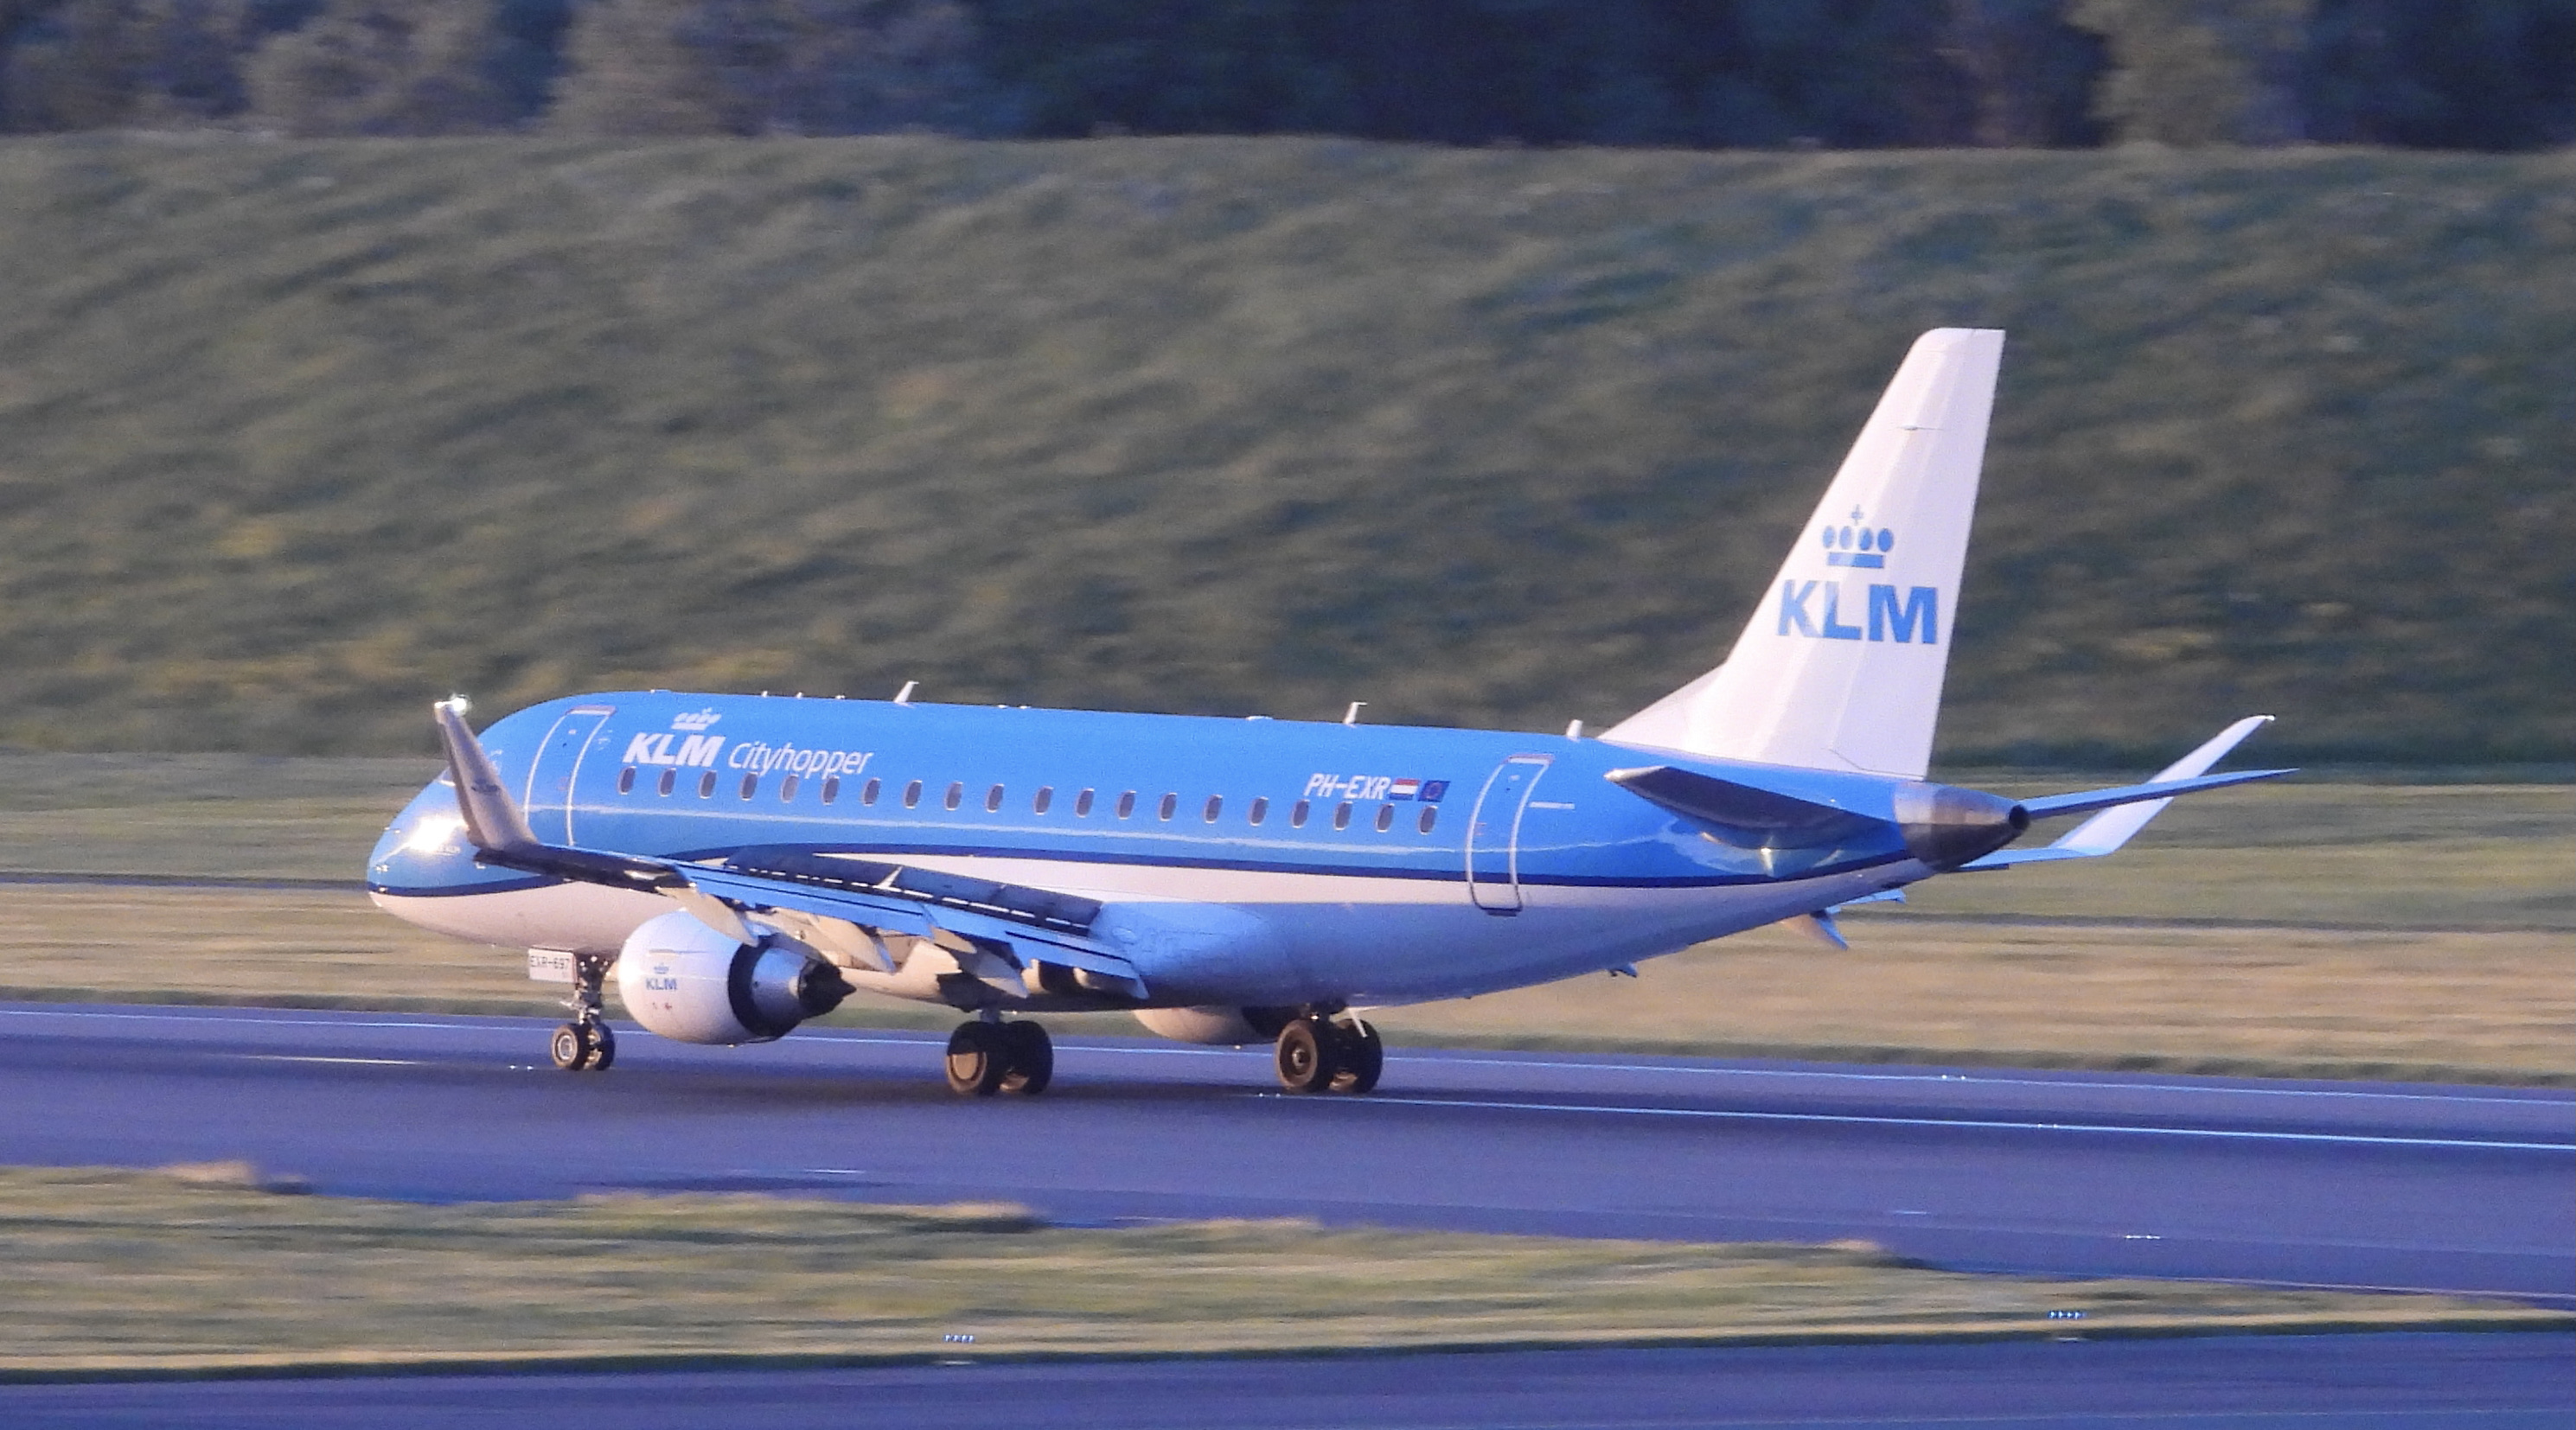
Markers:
point(742, 864)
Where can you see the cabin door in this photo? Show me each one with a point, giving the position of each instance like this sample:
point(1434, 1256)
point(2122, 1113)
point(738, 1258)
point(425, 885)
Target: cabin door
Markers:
point(1494, 834)
point(556, 772)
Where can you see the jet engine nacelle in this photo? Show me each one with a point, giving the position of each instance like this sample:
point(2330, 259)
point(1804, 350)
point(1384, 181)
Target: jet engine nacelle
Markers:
point(687, 982)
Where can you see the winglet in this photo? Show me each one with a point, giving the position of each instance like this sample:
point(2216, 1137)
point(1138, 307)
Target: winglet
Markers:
point(492, 819)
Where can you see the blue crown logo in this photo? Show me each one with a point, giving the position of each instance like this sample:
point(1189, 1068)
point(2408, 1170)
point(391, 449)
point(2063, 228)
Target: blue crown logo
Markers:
point(1857, 543)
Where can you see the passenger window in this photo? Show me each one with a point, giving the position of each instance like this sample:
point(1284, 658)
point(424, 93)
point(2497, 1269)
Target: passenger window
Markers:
point(1215, 807)
point(707, 785)
point(1046, 798)
point(868, 792)
point(668, 779)
point(956, 793)
point(831, 788)
point(1082, 805)
point(1170, 802)
point(1430, 817)
point(1297, 815)
point(787, 789)
point(912, 794)
point(1342, 815)
point(749, 784)
point(993, 800)
point(1126, 804)
point(626, 780)
point(1385, 818)
point(1260, 811)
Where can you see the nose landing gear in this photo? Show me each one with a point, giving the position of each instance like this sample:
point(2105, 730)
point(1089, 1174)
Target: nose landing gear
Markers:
point(1320, 1054)
point(585, 1044)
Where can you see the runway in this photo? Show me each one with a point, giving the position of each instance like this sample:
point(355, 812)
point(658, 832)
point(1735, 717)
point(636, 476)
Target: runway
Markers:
point(2394, 1382)
point(2342, 1184)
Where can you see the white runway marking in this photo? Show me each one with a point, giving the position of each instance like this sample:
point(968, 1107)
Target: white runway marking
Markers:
point(1966, 1123)
point(362, 1062)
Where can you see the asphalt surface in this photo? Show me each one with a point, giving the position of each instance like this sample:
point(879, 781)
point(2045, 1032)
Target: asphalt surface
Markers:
point(2390, 1382)
point(2341, 1184)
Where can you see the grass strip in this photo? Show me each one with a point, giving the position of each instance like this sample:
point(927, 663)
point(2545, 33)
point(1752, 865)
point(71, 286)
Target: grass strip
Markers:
point(213, 1270)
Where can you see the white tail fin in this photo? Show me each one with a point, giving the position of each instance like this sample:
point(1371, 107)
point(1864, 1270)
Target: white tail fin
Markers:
point(1841, 666)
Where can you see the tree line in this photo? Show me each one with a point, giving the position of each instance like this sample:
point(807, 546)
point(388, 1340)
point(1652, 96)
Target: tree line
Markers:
point(2454, 74)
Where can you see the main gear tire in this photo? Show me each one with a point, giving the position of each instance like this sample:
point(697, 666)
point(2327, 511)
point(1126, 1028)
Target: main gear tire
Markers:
point(1363, 1057)
point(1029, 1058)
point(1307, 1055)
point(978, 1059)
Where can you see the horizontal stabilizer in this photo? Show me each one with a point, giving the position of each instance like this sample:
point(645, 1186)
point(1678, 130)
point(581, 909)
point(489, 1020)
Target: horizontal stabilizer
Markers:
point(2089, 800)
point(2113, 827)
point(1745, 816)
point(2125, 811)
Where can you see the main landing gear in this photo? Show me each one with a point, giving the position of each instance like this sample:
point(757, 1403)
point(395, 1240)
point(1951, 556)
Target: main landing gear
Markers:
point(987, 1055)
point(585, 1044)
point(1320, 1054)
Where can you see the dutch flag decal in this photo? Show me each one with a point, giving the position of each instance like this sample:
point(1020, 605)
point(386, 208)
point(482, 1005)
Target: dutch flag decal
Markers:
point(1404, 789)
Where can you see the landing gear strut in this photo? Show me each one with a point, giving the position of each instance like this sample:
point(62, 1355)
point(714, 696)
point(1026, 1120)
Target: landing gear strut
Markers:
point(1320, 1054)
point(986, 1057)
point(585, 1044)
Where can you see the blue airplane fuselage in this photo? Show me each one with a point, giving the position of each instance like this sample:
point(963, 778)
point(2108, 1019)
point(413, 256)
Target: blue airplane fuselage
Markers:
point(1244, 861)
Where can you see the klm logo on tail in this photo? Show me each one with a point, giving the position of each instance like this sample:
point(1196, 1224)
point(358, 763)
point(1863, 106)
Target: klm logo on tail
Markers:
point(1806, 610)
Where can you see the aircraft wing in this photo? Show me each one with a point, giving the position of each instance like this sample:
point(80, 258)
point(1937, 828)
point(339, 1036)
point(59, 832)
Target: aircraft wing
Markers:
point(1030, 923)
point(2126, 810)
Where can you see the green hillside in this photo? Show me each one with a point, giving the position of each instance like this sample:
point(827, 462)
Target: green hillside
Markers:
point(296, 436)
